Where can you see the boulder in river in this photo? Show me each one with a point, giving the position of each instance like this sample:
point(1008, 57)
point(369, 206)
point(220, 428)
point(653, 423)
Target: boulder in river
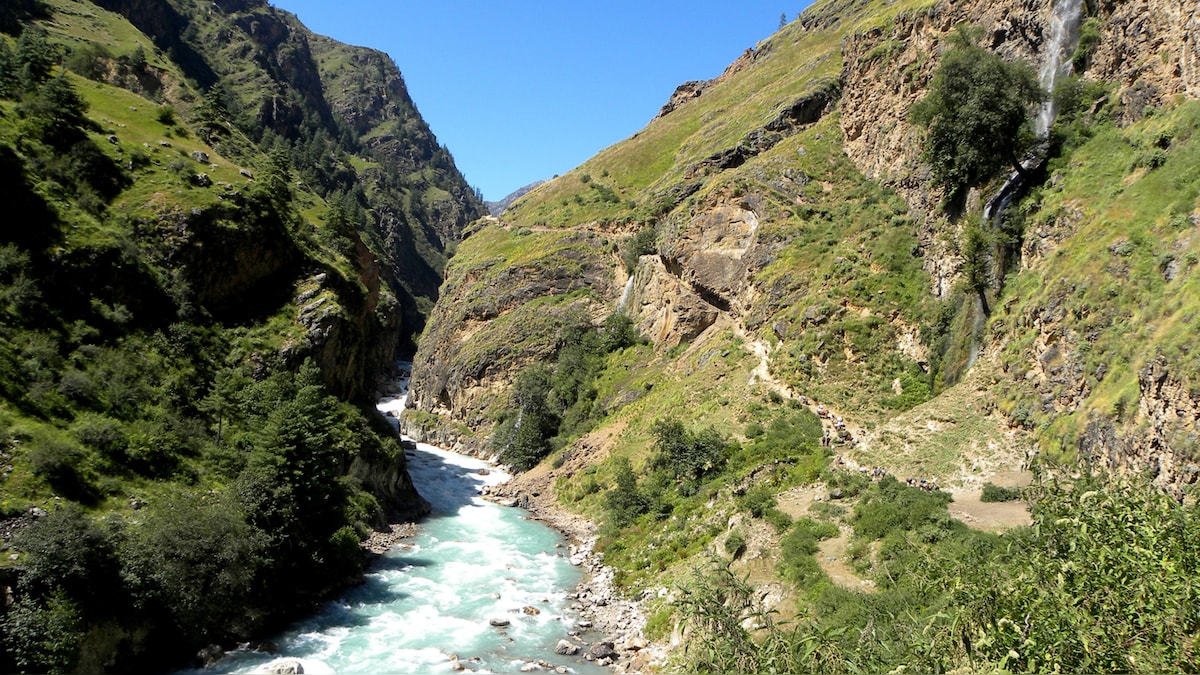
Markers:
point(210, 654)
point(566, 648)
point(603, 650)
point(499, 622)
point(285, 667)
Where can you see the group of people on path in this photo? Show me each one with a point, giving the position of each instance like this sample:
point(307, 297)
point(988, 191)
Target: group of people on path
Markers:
point(840, 433)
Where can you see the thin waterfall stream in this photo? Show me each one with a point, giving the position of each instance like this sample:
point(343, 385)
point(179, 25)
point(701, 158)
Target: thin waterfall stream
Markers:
point(1062, 36)
point(480, 588)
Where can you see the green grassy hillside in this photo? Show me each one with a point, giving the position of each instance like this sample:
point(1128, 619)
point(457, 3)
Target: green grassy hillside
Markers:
point(194, 310)
point(774, 269)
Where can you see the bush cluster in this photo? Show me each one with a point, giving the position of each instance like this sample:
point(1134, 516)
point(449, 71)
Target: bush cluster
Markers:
point(1102, 582)
point(550, 405)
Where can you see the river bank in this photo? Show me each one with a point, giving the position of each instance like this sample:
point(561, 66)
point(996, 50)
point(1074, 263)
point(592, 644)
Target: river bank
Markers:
point(609, 631)
point(608, 617)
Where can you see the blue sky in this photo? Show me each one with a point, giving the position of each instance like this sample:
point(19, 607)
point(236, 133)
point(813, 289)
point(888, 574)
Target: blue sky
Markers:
point(524, 90)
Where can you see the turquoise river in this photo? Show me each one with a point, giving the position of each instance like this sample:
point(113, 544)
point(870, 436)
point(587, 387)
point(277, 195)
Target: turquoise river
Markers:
point(429, 605)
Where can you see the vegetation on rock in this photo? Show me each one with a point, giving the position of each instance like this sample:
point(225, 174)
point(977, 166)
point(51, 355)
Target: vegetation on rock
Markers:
point(193, 307)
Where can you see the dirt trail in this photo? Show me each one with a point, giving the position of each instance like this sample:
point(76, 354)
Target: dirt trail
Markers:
point(833, 560)
point(834, 423)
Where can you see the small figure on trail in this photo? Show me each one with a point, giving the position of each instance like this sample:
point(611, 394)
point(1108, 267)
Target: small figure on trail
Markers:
point(821, 411)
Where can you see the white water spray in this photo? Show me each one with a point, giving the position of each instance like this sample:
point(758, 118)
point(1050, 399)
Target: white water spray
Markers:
point(625, 294)
point(1062, 36)
point(480, 588)
point(1061, 40)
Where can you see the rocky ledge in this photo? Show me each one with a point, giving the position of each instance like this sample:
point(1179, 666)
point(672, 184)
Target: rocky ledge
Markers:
point(382, 541)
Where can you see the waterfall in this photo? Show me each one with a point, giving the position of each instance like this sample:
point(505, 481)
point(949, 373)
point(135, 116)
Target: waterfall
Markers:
point(976, 334)
point(1062, 36)
point(625, 294)
point(1065, 19)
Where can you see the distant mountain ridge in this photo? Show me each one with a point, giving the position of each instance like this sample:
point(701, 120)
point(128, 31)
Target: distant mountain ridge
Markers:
point(497, 208)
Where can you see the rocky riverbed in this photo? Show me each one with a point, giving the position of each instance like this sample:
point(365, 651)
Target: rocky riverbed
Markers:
point(610, 623)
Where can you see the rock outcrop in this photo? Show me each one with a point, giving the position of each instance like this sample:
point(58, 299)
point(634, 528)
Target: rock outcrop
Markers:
point(494, 319)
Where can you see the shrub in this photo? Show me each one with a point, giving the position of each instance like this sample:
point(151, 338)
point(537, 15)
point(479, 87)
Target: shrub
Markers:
point(624, 502)
point(778, 519)
point(63, 466)
point(757, 500)
point(198, 559)
point(44, 636)
point(735, 544)
point(851, 483)
point(524, 439)
point(893, 506)
point(686, 454)
point(796, 549)
point(1104, 581)
point(66, 550)
point(995, 493)
point(165, 115)
point(643, 242)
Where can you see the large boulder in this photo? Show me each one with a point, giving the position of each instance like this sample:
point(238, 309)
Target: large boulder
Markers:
point(603, 650)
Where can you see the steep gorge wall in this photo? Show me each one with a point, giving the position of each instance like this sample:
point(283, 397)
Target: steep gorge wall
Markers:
point(722, 228)
point(1147, 48)
point(1147, 51)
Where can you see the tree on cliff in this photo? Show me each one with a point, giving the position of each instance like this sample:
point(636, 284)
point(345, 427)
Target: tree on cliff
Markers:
point(977, 112)
point(524, 438)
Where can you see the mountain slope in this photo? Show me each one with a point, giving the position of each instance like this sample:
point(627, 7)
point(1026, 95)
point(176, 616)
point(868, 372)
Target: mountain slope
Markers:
point(780, 245)
point(221, 230)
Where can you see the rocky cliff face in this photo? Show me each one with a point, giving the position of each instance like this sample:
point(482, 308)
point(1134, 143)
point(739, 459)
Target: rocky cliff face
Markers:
point(323, 96)
point(726, 217)
point(1147, 51)
point(496, 316)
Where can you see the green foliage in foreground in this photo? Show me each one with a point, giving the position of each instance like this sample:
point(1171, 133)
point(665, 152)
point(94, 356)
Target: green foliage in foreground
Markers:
point(1106, 580)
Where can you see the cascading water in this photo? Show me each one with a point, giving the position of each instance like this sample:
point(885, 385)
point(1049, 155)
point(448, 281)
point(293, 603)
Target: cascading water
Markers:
point(625, 294)
point(1065, 19)
point(1062, 36)
point(433, 604)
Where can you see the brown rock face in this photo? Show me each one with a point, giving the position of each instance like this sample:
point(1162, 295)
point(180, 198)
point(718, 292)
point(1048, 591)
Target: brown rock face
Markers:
point(1165, 445)
point(695, 88)
point(1151, 48)
point(490, 323)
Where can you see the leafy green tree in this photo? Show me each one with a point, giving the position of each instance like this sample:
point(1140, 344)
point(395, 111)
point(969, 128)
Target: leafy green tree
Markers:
point(36, 57)
point(686, 454)
point(44, 635)
point(977, 245)
point(643, 242)
point(67, 550)
point(56, 113)
point(977, 114)
point(618, 332)
point(197, 558)
point(9, 71)
point(624, 502)
point(524, 439)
